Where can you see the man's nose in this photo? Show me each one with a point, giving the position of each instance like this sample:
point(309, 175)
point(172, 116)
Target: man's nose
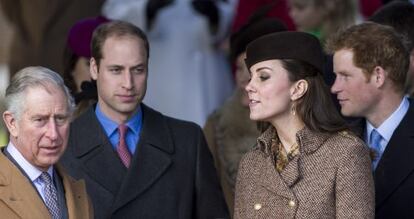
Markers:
point(52, 131)
point(128, 80)
point(335, 87)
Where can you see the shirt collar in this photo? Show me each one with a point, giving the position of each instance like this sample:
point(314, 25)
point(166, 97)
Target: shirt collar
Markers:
point(386, 129)
point(110, 126)
point(31, 171)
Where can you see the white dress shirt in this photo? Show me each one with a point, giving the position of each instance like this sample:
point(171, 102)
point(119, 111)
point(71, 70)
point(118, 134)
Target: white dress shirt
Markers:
point(31, 171)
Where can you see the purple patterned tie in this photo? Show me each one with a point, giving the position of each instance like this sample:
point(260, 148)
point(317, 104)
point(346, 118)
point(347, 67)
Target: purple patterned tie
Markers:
point(50, 195)
point(122, 147)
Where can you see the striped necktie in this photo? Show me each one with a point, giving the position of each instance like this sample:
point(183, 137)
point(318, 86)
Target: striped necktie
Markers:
point(375, 140)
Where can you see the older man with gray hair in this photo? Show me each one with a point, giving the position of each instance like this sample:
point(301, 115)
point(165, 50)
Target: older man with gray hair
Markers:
point(38, 112)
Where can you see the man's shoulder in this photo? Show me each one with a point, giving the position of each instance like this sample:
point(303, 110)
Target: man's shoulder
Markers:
point(86, 117)
point(408, 120)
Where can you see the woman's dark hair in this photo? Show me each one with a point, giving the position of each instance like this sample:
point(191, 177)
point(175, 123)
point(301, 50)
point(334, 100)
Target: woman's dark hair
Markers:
point(316, 108)
point(69, 62)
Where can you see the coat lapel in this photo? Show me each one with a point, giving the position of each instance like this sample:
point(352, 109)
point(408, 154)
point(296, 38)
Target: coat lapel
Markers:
point(396, 162)
point(92, 147)
point(291, 172)
point(76, 196)
point(151, 160)
point(282, 183)
point(273, 182)
point(17, 192)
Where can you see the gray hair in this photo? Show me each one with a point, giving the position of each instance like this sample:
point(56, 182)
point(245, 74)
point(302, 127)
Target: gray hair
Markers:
point(33, 77)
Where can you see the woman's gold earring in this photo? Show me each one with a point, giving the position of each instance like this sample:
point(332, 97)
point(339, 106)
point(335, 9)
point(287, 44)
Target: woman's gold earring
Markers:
point(293, 110)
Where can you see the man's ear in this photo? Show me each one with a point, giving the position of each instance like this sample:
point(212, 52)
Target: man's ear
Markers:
point(298, 89)
point(378, 76)
point(93, 69)
point(11, 123)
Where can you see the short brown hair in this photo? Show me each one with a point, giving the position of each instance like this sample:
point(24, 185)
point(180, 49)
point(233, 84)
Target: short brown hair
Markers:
point(374, 45)
point(118, 29)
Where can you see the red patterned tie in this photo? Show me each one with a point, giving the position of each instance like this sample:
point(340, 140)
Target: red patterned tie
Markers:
point(122, 147)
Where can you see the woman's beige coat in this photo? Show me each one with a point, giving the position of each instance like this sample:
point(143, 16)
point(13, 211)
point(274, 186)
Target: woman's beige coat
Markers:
point(330, 178)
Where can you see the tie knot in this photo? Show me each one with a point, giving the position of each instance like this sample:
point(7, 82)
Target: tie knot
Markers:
point(46, 178)
point(375, 137)
point(122, 128)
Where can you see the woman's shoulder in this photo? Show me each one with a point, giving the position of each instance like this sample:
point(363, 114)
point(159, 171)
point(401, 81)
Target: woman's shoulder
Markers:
point(346, 142)
point(253, 157)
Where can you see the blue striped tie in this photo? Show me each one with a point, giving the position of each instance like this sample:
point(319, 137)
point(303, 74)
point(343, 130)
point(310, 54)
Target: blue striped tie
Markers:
point(375, 140)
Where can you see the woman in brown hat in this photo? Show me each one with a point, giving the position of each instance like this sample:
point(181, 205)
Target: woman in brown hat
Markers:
point(305, 163)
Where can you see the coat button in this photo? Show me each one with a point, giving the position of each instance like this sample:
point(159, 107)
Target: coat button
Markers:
point(257, 206)
point(291, 203)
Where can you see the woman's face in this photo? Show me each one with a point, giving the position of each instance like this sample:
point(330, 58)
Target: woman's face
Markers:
point(305, 15)
point(269, 91)
point(242, 78)
point(81, 72)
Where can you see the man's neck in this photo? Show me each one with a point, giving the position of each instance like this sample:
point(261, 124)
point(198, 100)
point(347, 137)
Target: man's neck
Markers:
point(384, 108)
point(119, 118)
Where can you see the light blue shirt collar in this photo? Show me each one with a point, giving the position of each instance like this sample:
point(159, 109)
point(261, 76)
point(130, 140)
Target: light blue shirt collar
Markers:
point(387, 128)
point(134, 126)
point(111, 127)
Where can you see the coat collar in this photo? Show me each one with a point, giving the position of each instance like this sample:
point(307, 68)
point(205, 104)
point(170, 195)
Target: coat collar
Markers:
point(151, 159)
point(309, 141)
point(77, 200)
point(280, 183)
point(152, 120)
point(396, 162)
point(17, 192)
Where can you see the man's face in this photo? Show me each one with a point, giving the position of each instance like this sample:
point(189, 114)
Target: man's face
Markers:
point(306, 16)
point(41, 131)
point(410, 75)
point(357, 95)
point(242, 78)
point(121, 76)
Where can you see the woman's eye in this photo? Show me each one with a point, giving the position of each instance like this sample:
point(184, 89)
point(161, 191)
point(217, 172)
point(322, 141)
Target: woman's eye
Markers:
point(264, 77)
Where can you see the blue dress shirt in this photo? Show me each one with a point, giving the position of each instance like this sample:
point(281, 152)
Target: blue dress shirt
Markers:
point(111, 129)
point(387, 128)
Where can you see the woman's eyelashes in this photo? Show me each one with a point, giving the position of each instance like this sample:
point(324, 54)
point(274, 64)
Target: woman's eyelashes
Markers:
point(264, 77)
